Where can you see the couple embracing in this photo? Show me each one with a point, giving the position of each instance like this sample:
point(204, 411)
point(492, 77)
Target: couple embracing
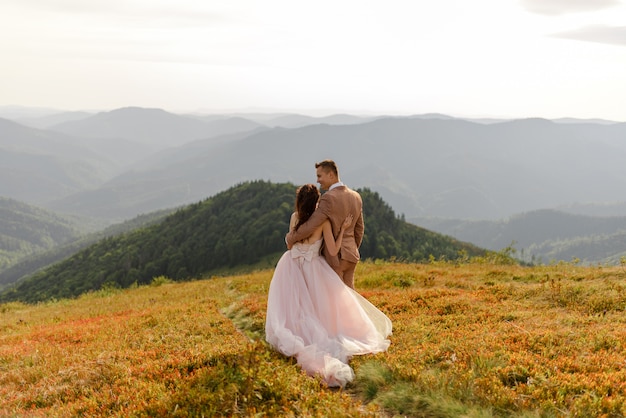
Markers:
point(313, 312)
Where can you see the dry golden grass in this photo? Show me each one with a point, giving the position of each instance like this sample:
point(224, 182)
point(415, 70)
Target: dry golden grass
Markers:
point(476, 340)
point(152, 351)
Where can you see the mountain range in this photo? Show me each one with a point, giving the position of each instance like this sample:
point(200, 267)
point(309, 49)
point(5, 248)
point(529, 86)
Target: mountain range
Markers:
point(423, 167)
point(436, 169)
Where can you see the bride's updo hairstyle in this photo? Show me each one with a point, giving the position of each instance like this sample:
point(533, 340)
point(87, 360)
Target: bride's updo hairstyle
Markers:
point(306, 201)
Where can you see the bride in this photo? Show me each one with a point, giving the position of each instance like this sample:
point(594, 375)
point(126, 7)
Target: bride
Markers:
point(311, 314)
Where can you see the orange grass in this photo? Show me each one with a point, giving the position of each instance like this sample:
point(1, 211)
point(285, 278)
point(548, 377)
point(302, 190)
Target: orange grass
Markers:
point(469, 340)
point(149, 351)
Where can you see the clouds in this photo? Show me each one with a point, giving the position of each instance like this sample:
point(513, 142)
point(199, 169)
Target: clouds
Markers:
point(593, 19)
point(117, 30)
point(596, 33)
point(561, 7)
point(121, 13)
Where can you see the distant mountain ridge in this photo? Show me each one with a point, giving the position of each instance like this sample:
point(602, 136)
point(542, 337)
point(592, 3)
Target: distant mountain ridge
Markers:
point(543, 236)
point(423, 167)
point(45, 122)
point(153, 127)
point(39, 165)
point(426, 166)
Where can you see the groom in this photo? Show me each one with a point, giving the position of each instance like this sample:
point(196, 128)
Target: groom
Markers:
point(336, 204)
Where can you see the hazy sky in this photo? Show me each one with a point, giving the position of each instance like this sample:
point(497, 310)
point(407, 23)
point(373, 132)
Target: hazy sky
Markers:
point(493, 58)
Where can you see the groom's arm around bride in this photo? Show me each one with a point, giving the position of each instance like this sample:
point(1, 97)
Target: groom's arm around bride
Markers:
point(335, 205)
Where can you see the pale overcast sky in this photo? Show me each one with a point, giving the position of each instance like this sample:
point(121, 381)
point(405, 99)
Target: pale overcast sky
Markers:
point(482, 58)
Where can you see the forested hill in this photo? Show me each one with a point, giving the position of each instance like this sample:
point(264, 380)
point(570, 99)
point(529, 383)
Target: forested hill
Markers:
point(241, 228)
point(31, 264)
point(26, 230)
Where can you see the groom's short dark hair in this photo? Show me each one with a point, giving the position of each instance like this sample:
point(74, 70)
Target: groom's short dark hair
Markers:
point(328, 165)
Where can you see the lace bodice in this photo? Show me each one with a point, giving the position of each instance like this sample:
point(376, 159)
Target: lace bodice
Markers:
point(306, 251)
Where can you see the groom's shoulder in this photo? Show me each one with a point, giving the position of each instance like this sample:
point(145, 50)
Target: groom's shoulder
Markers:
point(351, 191)
point(345, 192)
point(355, 196)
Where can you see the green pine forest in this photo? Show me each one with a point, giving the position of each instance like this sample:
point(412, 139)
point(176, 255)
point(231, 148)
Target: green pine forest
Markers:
point(240, 229)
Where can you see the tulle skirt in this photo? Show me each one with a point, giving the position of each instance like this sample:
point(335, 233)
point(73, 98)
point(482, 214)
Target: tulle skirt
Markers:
point(313, 316)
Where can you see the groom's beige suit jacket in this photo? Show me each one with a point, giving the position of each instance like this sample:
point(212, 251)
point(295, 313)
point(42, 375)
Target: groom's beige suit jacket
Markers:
point(335, 205)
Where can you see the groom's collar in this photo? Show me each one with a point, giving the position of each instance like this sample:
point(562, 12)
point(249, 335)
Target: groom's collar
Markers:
point(338, 184)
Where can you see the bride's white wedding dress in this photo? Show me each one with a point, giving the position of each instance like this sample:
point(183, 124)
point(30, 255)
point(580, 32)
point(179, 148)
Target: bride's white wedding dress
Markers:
point(313, 316)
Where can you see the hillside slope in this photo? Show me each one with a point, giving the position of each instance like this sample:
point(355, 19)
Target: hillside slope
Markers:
point(543, 235)
point(241, 228)
point(28, 264)
point(26, 230)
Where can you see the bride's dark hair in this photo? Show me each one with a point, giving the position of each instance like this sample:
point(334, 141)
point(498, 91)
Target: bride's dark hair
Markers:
point(306, 201)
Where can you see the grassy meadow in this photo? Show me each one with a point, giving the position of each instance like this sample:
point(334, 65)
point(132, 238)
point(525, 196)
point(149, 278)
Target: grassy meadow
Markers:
point(469, 340)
